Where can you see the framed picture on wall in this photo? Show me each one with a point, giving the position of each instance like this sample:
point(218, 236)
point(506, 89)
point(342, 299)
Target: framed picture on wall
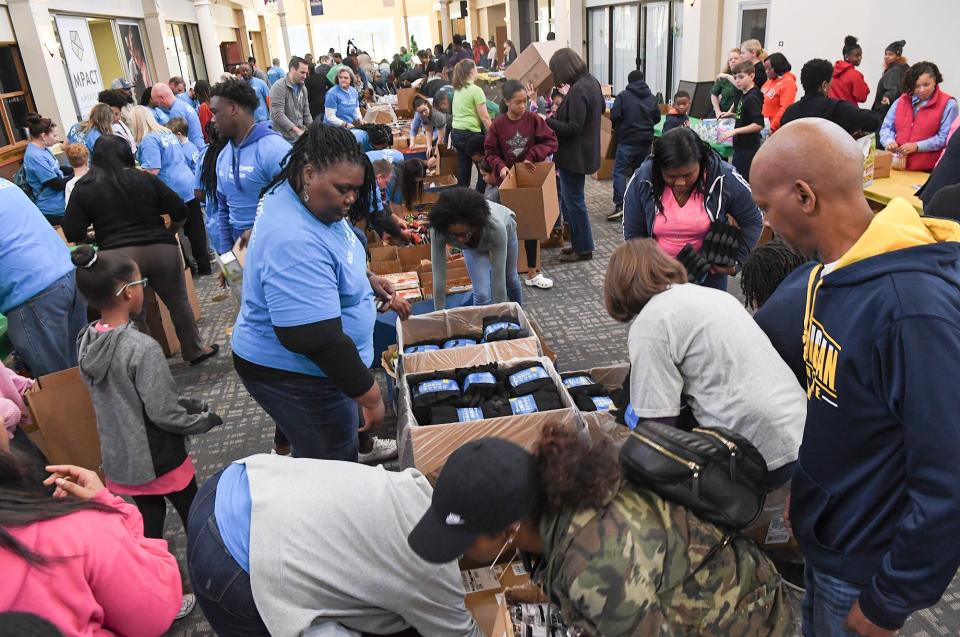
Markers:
point(136, 66)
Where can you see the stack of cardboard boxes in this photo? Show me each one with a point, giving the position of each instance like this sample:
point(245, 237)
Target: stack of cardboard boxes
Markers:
point(410, 269)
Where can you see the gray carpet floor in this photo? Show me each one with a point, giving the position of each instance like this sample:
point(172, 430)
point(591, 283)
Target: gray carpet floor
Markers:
point(576, 326)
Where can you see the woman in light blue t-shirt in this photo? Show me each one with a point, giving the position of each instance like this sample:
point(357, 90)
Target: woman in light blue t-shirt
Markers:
point(342, 105)
point(303, 343)
point(43, 173)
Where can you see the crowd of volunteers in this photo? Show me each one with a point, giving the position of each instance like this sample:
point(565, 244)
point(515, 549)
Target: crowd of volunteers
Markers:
point(820, 373)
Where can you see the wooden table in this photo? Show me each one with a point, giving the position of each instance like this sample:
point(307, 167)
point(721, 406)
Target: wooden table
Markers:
point(900, 183)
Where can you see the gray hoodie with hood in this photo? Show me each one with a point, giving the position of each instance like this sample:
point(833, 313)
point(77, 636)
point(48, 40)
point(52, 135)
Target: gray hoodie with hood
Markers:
point(142, 421)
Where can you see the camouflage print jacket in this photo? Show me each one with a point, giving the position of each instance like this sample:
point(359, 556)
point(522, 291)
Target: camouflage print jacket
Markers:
point(630, 569)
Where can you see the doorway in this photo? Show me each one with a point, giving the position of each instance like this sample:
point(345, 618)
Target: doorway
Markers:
point(258, 50)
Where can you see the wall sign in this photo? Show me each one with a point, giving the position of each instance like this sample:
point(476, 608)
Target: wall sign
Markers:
point(83, 71)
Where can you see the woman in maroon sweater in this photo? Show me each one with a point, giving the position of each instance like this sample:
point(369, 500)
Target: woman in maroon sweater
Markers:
point(519, 136)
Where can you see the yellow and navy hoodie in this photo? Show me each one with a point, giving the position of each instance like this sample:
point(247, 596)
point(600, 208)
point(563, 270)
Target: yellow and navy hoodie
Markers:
point(876, 493)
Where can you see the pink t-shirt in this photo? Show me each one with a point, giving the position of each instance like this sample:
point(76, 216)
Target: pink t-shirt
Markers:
point(677, 226)
point(103, 578)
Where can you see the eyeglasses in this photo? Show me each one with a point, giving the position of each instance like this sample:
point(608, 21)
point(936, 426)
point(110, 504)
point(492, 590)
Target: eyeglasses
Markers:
point(123, 287)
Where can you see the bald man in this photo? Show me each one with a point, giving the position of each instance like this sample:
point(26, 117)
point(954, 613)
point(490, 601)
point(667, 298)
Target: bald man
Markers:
point(875, 501)
point(162, 95)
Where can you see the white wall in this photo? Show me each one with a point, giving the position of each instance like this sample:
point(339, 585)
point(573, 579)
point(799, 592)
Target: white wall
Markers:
point(808, 29)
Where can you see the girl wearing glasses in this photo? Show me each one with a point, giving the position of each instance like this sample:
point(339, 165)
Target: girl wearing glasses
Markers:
point(143, 423)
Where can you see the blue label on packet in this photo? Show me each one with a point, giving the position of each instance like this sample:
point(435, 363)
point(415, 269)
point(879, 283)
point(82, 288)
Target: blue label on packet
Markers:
point(466, 414)
point(602, 403)
point(458, 342)
point(523, 405)
point(502, 325)
point(416, 349)
point(578, 381)
point(434, 386)
point(528, 375)
point(482, 378)
point(630, 417)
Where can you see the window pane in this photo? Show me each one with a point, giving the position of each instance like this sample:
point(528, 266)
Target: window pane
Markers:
point(16, 108)
point(677, 29)
point(657, 37)
point(626, 26)
point(199, 66)
point(753, 25)
point(9, 79)
point(599, 53)
point(4, 140)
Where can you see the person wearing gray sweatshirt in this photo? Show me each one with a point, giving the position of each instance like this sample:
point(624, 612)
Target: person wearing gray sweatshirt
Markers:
point(283, 546)
point(487, 233)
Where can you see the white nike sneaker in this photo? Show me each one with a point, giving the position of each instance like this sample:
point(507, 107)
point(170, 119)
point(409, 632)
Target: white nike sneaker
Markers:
point(382, 450)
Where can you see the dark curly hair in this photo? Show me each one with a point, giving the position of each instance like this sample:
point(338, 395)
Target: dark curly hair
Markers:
point(114, 97)
point(380, 135)
point(679, 147)
point(914, 72)
point(238, 92)
point(323, 146)
point(459, 205)
point(765, 270)
point(576, 475)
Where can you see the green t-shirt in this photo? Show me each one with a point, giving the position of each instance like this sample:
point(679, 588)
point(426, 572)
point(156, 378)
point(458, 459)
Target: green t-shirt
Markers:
point(727, 93)
point(465, 102)
point(332, 73)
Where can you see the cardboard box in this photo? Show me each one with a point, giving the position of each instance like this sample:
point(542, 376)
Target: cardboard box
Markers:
point(532, 66)
point(380, 114)
point(394, 259)
point(605, 422)
point(411, 295)
point(64, 422)
point(464, 321)
point(192, 294)
point(882, 164)
point(487, 606)
point(608, 140)
point(607, 90)
point(533, 198)
point(403, 280)
point(160, 324)
point(605, 171)
point(401, 142)
point(447, 160)
point(405, 101)
point(428, 447)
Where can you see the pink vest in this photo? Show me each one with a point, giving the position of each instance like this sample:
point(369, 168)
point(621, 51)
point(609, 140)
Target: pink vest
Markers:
point(917, 127)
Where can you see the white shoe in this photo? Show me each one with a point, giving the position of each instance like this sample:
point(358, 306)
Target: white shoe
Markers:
point(382, 450)
point(186, 606)
point(539, 281)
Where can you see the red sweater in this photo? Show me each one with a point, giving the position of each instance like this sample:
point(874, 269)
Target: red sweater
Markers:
point(510, 142)
point(778, 94)
point(848, 84)
point(104, 577)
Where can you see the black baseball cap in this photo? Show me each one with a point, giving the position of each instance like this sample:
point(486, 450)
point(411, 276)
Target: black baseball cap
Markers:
point(484, 487)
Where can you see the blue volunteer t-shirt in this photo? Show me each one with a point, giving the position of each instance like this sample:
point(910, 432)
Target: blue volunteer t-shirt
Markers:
point(162, 150)
point(391, 154)
point(274, 74)
point(161, 115)
point(300, 270)
point(194, 130)
point(90, 139)
point(232, 509)
point(344, 102)
point(190, 153)
point(260, 87)
point(32, 254)
point(40, 166)
point(243, 173)
point(76, 135)
point(186, 99)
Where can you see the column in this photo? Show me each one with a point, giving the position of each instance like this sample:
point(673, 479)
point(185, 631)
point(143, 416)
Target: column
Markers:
point(44, 66)
point(446, 36)
point(156, 27)
point(208, 40)
point(310, 36)
point(282, 14)
point(513, 24)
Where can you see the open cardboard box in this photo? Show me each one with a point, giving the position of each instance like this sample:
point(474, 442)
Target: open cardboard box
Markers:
point(428, 447)
point(604, 423)
point(464, 321)
point(488, 606)
point(605, 172)
point(532, 196)
point(394, 259)
point(64, 423)
point(448, 160)
point(532, 66)
point(608, 140)
point(405, 101)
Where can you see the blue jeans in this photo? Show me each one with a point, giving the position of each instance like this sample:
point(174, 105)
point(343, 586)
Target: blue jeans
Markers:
point(480, 268)
point(318, 419)
point(826, 604)
point(44, 329)
point(574, 208)
point(221, 585)
point(629, 158)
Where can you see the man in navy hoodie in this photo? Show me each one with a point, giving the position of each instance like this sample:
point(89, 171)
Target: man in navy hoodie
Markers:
point(875, 501)
point(634, 114)
point(249, 161)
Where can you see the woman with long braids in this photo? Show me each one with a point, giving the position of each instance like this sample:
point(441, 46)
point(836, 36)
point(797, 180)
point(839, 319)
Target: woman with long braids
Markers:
point(79, 558)
point(205, 179)
point(303, 342)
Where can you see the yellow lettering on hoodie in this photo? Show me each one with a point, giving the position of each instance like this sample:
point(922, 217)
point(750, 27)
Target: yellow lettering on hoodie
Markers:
point(821, 363)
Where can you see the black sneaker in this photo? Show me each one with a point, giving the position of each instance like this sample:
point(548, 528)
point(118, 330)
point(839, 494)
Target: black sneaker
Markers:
point(573, 257)
point(616, 215)
point(567, 250)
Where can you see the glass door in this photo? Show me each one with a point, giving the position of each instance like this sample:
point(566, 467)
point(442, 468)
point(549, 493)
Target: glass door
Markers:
point(657, 40)
point(626, 32)
point(598, 49)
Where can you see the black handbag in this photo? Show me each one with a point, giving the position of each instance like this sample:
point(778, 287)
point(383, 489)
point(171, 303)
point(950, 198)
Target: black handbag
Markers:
point(715, 473)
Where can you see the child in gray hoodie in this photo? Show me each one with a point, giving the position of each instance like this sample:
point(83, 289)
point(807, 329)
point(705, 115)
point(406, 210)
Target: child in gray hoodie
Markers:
point(142, 421)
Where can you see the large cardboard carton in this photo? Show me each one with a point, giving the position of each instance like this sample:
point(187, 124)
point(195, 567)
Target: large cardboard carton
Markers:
point(192, 294)
point(64, 422)
point(533, 198)
point(605, 171)
point(405, 101)
point(428, 447)
point(447, 160)
point(608, 140)
point(532, 66)
point(605, 422)
point(160, 323)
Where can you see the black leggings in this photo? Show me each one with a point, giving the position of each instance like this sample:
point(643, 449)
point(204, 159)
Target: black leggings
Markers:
point(532, 248)
point(153, 508)
point(196, 232)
